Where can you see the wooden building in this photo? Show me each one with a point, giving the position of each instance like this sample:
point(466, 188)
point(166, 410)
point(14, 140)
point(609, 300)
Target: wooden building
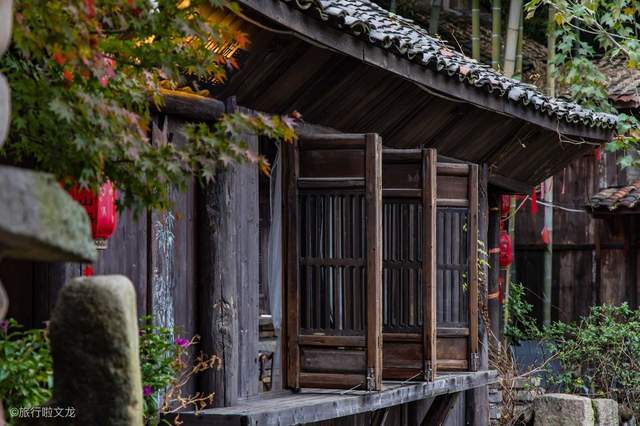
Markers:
point(594, 242)
point(369, 241)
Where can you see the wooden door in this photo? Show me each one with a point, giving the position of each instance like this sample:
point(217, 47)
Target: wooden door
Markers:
point(457, 267)
point(408, 263)
point(333, 286)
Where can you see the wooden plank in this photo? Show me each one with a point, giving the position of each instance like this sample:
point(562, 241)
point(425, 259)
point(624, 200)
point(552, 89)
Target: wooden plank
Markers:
point(313, 405)
point(452, 202)
point(247, 265)
point(453, 169)
point(401, 193)
point(332, 380)
point(429, 258)
point(374, 259)
point(342, 341)
point(293, 253)
point(473, 264)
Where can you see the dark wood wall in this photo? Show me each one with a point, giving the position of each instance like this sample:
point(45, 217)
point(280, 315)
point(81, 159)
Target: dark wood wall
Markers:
point(158, 252)
point(593, 259)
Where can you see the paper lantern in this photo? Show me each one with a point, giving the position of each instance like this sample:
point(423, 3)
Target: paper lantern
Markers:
point(101, 208)
point(506, 253)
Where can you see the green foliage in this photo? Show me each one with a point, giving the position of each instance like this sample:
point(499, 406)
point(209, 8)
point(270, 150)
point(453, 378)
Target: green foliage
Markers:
point(26, 371)
point(520, 325)
point(83, 74)
point(159, 362)
point(600, 355)
point(25, 367)
point(586, 31)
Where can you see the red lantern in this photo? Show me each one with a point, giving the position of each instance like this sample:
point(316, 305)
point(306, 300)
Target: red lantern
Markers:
point(101, 209)
point(506, 253)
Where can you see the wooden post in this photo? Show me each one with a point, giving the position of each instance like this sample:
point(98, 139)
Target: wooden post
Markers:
point(374, 261)
point(493, 251)
point(477, 400)
point(429, 197)
point(292, 226)
point(228, 279)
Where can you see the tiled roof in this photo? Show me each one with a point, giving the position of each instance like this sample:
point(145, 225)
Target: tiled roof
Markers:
point(623, 82)
point(403, 37)
point(616, 197)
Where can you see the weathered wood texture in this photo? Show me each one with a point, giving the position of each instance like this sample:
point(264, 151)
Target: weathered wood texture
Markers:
point(333, 215)
point(314, 405)
point(594, 260)
point(228, 279)
point(457, 274)
point(342, 91)
point(409, 263)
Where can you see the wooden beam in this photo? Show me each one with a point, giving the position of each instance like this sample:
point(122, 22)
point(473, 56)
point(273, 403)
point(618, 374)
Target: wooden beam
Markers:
point(509, 185)
point(315, 405)
point(316, 32)
point(440, 409)
point(189, 106)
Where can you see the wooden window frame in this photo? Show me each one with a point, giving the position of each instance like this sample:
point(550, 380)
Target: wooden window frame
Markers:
point(371, 342)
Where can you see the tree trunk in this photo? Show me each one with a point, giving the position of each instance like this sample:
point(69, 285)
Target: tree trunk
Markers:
point(512, 37)
point(496, 33)
point(475, 29)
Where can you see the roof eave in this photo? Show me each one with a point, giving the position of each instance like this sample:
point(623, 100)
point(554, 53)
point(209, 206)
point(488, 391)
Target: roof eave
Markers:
point(316, 32)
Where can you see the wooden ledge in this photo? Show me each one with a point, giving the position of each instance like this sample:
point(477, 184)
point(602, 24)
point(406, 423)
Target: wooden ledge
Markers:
point(313, 405)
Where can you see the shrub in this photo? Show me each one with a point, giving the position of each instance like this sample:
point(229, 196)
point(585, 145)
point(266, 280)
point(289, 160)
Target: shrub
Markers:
point(520, 323)
point(600, 356)
point(25, 366)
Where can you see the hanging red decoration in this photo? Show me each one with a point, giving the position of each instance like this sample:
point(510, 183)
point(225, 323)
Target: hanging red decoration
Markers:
point(534, 202)
point(101, 208)
point(597, 153)
point(545, 236)
point(506, 252)
point(505, 205)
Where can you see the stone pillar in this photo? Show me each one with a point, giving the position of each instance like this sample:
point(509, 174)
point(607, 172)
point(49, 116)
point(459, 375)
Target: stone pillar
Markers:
point(94, 344)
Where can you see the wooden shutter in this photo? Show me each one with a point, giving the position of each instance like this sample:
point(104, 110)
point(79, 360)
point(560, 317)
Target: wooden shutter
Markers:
point(457, 271)
point(408, 277)
point(333, 302)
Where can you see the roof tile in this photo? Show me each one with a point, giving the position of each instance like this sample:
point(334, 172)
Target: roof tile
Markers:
point(402, 36)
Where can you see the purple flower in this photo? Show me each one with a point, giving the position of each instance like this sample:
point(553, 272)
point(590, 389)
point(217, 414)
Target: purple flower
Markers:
point(147, 390)
point(4, 326)
point(182, 342)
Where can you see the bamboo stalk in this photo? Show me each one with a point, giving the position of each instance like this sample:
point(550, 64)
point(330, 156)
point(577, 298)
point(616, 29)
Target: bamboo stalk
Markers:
point(434, 19)
point(475, 29)
point(551, 53)
point(548, 196)
point(513, 27)
point(496, 33)
point(518, 72)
